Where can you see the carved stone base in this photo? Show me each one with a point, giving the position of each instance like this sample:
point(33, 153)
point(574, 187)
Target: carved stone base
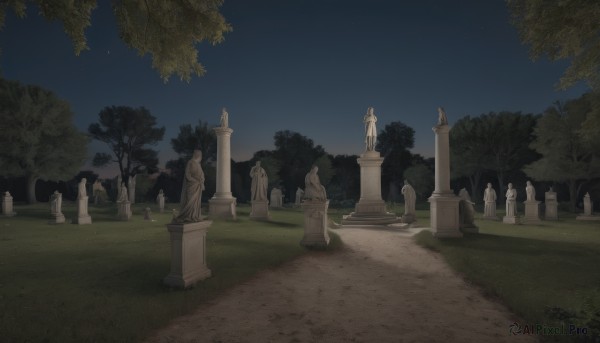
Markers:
point(315, 224)
point(82, 220)
point(532, 215)
point(188, 254)
point(409, 218)
point(370, 206)
point(444, 215)
point(260, 210)
point(124, 210)
point(58, 218)
point(551, 210)
point(222, 208)
point(510, 220)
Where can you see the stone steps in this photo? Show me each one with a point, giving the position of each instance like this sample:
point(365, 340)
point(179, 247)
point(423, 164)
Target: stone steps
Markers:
point(358, 219)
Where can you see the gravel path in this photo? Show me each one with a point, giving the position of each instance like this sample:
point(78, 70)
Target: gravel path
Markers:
point(381, 287)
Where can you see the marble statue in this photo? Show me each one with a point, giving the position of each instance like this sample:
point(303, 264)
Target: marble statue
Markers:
point(410, 198)
point(442, 119)
point(260, 181)
point(55, 202)
point(530, 190)
point(147, 214)
point(191, 192)
point(489, 198)
point(81, 193)
point(511, 201)
point(224, 118)
point(587, 204)
point(370, 129)
point(313, 188)
point(123, 194)
point(299, 196)
point(276, 197)
point(467, 213)
point(160, 199)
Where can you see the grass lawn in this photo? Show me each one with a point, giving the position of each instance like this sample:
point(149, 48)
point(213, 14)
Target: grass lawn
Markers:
point(548, 274)
point(103, 282)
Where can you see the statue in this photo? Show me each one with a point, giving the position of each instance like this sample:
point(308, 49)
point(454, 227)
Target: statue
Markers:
point(191, 192)
point(410, 198)
point(260, 181)
point(313, 188)
point(299, 196)
point(511, 201)
point(82, 193)
point(489, 198)
point(442, 120)
point(55, 202)
point(530, 190)
point(467, 213)
point(224, 118)
point(370, 129)
point(123, 197)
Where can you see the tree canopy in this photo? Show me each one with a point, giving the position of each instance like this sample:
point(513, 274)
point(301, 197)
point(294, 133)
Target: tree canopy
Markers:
point(566, 29)
point(167, 30)
point(393, 143)
point(40, 140)
point(128, 132)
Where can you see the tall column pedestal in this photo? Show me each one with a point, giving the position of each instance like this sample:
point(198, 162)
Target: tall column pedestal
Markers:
point(223, 204)
point(188, 254)
point(315, 224)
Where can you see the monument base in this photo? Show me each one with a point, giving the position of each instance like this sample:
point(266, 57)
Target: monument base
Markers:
point(532, 215)
point(370, 206)
point(587, 217)
point(82, 220)
point(510, 220)
point(222, 208)
point(495, 218)
point(260, 210)
point(551, 210)
point(57, 219)
point(188, 254)
point(12, 214)
point(469, 229)
point(444, 215)
point(124, 211)
point(408, 218)
point(315, 224)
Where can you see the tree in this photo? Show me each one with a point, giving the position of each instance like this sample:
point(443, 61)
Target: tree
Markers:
point(326, 171)
point(565, 156)
point(42, 142)
point(167, 30)
point(421, 179)
point(346, 177)
point(393, 143)
point(296, 153)
point(201, 137)
point(270, 164)
point(566, 29)
point(127, 132)
point(469, 151)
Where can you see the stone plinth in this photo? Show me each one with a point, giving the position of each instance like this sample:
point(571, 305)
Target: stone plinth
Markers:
point(7, 205)
point(57, 218)
point(444, 215)
point(223, 204)
point(123, 210)
point(222, 208)
point(315, 224)
point(82, 211)
point(188, 254)
point(532, 212)
point(260, 210)
point(408, 218)
point(551, 206)
point(510, 219)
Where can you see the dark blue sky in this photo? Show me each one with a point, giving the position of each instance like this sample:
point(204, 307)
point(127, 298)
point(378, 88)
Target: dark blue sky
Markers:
point(311, 66)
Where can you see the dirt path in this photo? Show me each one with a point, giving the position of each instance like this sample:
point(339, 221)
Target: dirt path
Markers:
point(381, 288)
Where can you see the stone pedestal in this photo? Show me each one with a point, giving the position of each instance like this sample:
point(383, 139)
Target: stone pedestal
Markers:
point(551, 206)
point(260, 210)
point(7, 205)
point(223, 204)
point(443, 203)
point(370, 208)
point(408, 218)
point(82, 211)
point(57, 218)
point(123, 210)
point(532, 212)
point(188, 254)
point(315, 224)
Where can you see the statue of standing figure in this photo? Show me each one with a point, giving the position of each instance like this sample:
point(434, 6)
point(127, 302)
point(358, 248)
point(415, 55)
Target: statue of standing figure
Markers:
point(489, 198)
point(511, 201)
point(123, 194)
point(530, 190)
point(55, 203)
point(442, 119)
point(82, 192)
point(260, 181)
point(224, 118)
point(191, 193)
point(370, 129)
point(313, 188)
point(467, 211)
point(410, 198)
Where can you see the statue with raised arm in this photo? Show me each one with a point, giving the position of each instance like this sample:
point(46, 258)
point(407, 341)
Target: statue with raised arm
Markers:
point(260, 181)
point(224, 118)
point(370, 129)
point(442, 119)
point(191, 192)
point(313, 189)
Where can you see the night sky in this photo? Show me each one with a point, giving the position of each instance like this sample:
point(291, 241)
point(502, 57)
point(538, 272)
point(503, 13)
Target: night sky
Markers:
point(311, 66)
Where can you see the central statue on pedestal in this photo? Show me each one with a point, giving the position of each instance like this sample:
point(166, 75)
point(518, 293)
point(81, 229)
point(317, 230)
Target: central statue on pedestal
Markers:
point(370, 129)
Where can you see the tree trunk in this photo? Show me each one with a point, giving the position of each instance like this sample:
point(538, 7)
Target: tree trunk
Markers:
point(31, 181)
point(572, 195)
point(501, 193)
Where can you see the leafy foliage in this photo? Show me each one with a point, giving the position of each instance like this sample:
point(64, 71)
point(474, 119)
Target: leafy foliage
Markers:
point(167, 30)
point(421, 178)
point(566, 29)
point(393, 143)
point(127, 132)
point(200, 137)
point(39, 139)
